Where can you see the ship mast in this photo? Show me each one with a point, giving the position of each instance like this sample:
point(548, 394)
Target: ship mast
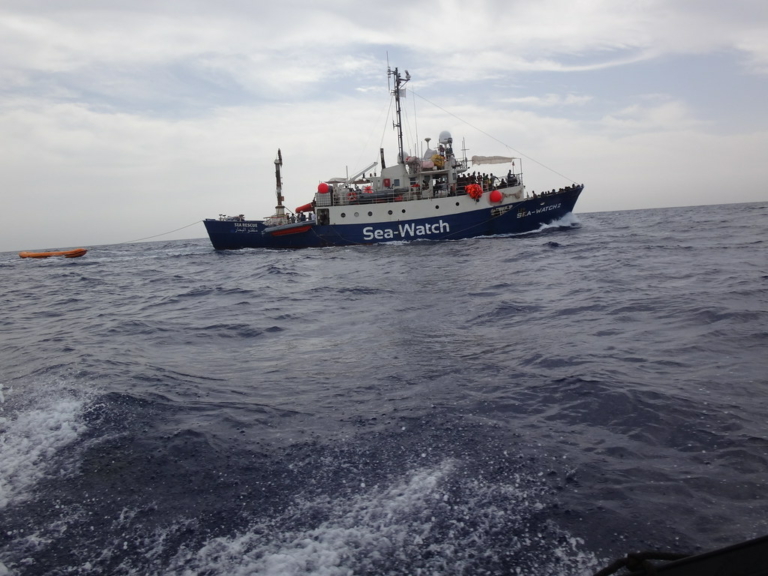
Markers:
point(399, 82)
point(279, 210)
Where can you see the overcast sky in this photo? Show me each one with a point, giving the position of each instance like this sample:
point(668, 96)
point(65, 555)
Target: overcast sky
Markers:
point(125, 119)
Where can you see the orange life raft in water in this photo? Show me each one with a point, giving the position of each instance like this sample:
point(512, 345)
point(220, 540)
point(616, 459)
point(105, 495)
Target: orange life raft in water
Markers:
point(76, 253)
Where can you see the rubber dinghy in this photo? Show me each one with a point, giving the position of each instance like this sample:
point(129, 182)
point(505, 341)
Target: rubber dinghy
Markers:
point(76, 253)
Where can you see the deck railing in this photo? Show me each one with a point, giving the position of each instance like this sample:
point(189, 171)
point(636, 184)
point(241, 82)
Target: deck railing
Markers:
point(345, 196)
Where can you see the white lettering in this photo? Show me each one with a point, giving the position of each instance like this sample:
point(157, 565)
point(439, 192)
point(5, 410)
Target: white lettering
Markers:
point(522, 213)
point(405, 230)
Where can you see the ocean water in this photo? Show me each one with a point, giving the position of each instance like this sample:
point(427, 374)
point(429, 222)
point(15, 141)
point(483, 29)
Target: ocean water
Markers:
point(532, 405)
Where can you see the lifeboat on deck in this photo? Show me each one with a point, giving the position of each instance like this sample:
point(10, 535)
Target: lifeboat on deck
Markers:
point(306, 208)
point(76, 253)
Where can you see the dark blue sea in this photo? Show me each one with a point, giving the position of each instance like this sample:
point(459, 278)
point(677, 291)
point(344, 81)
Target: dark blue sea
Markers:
point(530, 405)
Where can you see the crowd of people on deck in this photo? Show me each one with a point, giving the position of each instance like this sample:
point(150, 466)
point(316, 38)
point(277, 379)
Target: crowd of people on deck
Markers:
point(549, 193)
point(300, 217)
point(487, 181)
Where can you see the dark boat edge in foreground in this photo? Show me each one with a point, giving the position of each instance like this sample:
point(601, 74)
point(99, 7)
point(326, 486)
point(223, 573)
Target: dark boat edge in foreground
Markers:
point(748, 558)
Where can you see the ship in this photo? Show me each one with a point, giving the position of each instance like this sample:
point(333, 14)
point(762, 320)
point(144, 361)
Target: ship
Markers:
point(430, 196)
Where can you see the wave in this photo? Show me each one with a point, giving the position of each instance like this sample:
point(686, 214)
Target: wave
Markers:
point(433, 520)
point(48, 420)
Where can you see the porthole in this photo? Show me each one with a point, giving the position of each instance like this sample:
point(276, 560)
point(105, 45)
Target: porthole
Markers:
point(343, 215)
point(403, 210)
point(437, 207)
point(390, 212)
point(370, 213)
point(457, 203)
point(357, 214)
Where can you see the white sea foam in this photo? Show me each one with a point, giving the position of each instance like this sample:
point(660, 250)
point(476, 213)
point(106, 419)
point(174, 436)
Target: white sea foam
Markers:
point(358, 525)
point(391, 530)
point(569, 219)
point(31, 435)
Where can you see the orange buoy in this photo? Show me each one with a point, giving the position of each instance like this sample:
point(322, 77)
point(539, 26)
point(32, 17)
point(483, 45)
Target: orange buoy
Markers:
point(76, 253)
point(495, 197)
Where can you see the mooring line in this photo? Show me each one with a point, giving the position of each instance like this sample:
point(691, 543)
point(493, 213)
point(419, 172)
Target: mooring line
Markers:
point(163, 234)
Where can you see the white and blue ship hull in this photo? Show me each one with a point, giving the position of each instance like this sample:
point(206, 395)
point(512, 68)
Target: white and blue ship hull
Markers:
point(446, 218)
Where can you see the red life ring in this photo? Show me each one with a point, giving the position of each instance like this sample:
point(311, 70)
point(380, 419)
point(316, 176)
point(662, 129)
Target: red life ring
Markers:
point(352, 197)
point(474, 191)
point(387, 182)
